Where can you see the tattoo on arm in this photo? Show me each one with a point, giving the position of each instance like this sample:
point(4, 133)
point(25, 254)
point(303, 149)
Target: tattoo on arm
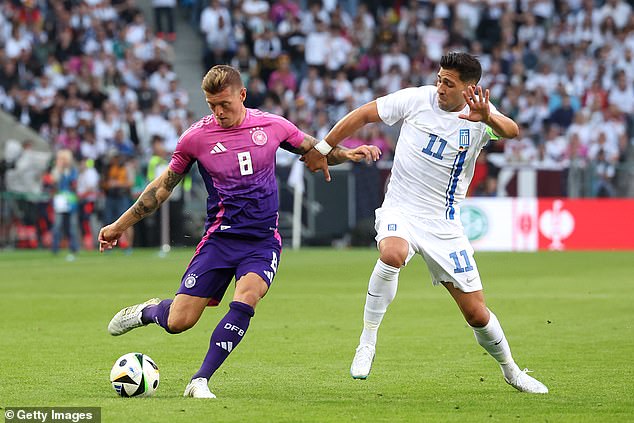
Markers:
point(337, 155)
point(307, 143)
point(146, 204)
point(155, 194)
point(171, 180)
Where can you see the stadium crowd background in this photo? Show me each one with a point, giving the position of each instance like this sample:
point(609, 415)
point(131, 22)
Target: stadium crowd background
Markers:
point(95, 77)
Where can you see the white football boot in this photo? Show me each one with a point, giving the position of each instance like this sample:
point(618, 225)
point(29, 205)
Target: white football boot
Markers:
point(129, 318)
point(525, 383)
point(362, 362)
point(198, 388)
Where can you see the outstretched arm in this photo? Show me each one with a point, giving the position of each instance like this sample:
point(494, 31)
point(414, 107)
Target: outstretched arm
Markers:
point(348, 125)
point(352, 122)
point(338, 155)
point(479, 111)
point(154, 194)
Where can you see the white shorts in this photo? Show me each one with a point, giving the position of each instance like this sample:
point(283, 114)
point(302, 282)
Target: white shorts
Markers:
point(442, 244)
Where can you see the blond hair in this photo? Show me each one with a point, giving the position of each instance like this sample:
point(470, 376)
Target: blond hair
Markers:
point(221, 77)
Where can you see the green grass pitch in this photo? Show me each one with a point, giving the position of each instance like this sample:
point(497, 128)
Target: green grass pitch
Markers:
point(569, 316)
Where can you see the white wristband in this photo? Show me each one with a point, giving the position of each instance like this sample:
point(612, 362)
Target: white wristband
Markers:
point(323, 147)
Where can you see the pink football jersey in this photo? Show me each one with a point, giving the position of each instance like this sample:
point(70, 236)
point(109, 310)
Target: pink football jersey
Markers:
point(238, 167)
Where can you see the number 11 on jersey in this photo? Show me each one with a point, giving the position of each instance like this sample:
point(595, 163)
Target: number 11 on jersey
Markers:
point(429, 149)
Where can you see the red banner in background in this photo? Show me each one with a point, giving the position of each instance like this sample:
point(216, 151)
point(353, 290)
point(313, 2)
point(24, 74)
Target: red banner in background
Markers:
point(586, 224)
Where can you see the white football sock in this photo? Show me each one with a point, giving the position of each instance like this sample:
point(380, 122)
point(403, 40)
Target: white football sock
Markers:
point(492, 338)
point(381, 292)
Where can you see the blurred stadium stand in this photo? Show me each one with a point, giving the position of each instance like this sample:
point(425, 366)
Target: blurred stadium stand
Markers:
point(101, 78)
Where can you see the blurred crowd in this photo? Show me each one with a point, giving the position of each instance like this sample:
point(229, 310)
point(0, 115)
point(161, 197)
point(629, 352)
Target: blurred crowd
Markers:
point(564, 70)
point(95, 78)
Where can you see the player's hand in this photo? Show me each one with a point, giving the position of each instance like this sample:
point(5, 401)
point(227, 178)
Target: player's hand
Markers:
point(315, 161)
point(369, 153)
point(108, 237)
point(478, 103)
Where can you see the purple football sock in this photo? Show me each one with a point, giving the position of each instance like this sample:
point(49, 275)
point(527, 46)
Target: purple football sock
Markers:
point(157, 314)
point(226, 337)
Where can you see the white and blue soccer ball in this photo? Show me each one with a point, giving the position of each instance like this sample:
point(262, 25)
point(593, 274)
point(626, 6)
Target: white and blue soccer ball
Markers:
point(134, 375)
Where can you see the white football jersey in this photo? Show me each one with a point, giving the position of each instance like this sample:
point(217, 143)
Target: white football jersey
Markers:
point(435, 155)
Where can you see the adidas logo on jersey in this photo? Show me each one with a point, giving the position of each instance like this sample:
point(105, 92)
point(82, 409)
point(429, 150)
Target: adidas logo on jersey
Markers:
point(227, 346)
point(269, 275)
point(218, 148)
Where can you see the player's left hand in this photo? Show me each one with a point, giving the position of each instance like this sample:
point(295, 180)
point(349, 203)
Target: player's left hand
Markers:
point(108, 237)
point(315, 161)
point(478, 103)
point(369, 153)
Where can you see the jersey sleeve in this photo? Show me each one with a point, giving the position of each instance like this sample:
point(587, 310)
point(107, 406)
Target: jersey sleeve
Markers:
point(396, 106)
point(291, 134)
point(489, 135)
point(183, 157)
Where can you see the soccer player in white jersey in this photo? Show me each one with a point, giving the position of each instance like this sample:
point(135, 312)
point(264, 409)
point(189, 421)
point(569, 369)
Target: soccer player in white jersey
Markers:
point(444, 129)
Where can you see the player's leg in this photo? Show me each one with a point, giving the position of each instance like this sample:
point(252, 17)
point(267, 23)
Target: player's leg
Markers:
point(177, 315)
point(489, 334)
point(254, 275)
point(485, 325)
point(174, 316)
point(394, 252)
point(449, 257)
point(231, 329)
point(204, 282)
point(382, 286)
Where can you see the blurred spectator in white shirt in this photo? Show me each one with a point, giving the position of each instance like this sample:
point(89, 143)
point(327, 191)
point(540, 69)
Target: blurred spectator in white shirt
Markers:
point(601, 144)
point(622, 94)
point(395, 57)
point(159, 80)
point(522, 151)
point(617, 10)
point(317, 45)
point(338, 49)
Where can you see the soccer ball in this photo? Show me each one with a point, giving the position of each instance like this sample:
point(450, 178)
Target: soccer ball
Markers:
point(134, 375)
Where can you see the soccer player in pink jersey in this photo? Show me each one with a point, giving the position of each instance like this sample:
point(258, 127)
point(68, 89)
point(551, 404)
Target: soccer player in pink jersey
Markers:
point(235, 151)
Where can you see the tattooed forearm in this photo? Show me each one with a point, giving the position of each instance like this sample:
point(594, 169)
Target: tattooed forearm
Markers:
point(149, 201)
point(170, 180)
point(337, 156)
point(307, 143)
point(155, 194)
point(146, 204)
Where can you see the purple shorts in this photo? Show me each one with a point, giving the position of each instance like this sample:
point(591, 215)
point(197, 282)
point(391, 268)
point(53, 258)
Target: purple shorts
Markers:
point(221, 258)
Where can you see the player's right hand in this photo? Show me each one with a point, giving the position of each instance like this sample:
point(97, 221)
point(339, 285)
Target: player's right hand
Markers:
point(315, 161)
point(108, 238)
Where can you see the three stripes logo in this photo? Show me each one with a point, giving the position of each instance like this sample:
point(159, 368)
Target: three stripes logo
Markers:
point(218, 148)
point(269, 275)
point(227, 346)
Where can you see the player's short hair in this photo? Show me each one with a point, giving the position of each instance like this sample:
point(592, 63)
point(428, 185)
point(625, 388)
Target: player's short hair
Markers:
point(467, 65)
point(221, 77)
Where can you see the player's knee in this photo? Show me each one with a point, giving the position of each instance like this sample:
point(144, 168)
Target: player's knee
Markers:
point(178, 324)
point(476, 317)
point(250, 297)
point(393, 258)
